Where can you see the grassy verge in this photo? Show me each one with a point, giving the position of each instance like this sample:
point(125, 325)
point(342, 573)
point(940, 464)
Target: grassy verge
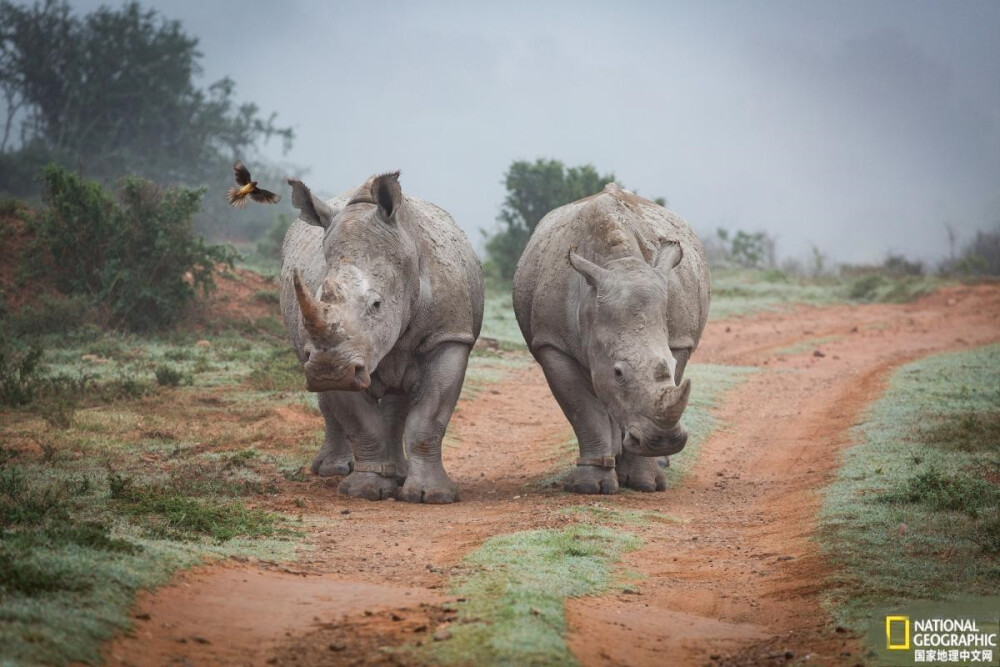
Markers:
point(137, 456)
point(913, 513)
point(742, 292)
point(514, 593)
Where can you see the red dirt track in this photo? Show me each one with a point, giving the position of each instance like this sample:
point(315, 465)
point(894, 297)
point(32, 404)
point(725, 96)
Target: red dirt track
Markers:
point(736, 579)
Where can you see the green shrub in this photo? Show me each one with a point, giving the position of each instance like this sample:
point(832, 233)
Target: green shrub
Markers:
point(52, 314)
point(168, 376)
point(957, 493)
point(19, 372)
point(137, 255)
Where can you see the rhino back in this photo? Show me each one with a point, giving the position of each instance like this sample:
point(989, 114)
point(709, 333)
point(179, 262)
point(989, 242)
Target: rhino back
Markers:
point(609, 225)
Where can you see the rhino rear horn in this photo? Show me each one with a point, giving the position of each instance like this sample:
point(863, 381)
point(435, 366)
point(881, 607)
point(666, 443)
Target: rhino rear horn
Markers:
point(312, 310)
point(673, 402)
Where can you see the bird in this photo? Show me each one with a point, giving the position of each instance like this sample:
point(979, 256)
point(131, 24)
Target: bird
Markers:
point(238, 196)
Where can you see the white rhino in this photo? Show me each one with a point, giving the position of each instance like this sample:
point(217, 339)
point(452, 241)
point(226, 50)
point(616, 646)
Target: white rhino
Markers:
point(382, 297)
point(612, 294)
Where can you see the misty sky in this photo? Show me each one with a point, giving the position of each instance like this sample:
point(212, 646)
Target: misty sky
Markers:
point(860, 127)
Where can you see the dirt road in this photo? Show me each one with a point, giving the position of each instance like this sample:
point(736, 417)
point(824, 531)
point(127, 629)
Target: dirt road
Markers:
point(736, 580)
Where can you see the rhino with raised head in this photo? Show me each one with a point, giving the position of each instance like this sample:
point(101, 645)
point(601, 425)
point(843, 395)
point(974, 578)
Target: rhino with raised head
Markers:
point(612, 295)
point(382, 297)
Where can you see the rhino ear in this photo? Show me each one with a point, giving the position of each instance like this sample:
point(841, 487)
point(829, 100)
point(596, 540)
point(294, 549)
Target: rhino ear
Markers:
point(592, 273)
point(387, 194)
point(312, 209)
point(668, 256)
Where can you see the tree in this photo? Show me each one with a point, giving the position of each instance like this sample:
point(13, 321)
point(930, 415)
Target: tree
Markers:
point(113, 93)
point(534, 189)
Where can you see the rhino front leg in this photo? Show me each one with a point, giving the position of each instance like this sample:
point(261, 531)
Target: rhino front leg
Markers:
point(335, 456)
point(395, 409)
point(430, 411)
point(595, 469)
point(374, 474)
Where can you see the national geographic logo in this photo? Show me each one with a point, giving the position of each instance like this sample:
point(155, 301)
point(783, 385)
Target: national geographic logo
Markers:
point(897, 633)
point(940, 638)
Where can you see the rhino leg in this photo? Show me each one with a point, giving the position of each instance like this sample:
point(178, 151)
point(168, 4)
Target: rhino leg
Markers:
point(590, 421)
point(374, 475)
point(335, 456)
point(395, 409)
point(641, 473)
point(681, 356)
point(430, 410)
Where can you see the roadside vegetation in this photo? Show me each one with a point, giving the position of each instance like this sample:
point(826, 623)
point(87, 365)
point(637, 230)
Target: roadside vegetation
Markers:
point(913, 513)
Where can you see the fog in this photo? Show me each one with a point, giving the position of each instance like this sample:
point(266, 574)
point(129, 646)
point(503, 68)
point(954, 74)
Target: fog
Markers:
point(857, 127)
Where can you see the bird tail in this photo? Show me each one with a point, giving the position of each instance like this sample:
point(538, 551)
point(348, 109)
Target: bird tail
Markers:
point(235, 197)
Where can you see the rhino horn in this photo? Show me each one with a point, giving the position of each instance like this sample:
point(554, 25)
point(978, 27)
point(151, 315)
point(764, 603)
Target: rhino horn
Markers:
point(673, 402)
point(592, 273)
point(312, 310)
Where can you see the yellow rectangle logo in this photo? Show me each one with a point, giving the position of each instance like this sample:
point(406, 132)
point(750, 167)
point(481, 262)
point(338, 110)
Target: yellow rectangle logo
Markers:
point(900, 623)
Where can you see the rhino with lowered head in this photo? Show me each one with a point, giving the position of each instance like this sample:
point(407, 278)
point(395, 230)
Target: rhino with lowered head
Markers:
point(612, 295)
point(382, 297)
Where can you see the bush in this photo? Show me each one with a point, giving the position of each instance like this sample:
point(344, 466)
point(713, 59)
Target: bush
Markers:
point(138, 255)
point(19, 378)
point(168, 376)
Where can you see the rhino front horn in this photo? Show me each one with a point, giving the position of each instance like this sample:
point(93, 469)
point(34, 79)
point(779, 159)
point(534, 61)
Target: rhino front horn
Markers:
point(312, 310)
point(673, 402)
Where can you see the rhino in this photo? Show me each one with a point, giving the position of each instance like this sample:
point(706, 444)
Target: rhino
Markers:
point(382, 299)
point(612, 294)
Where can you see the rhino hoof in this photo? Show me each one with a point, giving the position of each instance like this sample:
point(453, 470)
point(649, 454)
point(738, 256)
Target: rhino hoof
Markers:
point(591, 480)
point(641, 474)
point(329, 466)
point(438, 492)
point(367, 485)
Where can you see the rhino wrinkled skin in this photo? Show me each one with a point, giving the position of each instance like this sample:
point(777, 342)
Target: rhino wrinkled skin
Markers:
point(382, 298)
point(612, 295)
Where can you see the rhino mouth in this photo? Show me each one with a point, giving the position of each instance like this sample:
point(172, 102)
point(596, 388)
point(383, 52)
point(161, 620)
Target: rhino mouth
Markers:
point(355, 377)
point(665, 443)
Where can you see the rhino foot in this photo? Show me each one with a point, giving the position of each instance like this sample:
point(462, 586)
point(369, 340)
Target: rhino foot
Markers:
point(434, 489)
point(328, 464)
point(641, 473)
point(368, 485)
point(591, 480)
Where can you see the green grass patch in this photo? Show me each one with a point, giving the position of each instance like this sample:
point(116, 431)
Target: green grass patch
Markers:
point(601, 514)
point(279, 371)
point(805, 346)
point(912, 514)
point(498, 319)
point(515, 593)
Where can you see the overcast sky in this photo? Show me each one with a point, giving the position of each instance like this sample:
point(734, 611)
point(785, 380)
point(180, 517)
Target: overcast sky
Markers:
point(860, 127)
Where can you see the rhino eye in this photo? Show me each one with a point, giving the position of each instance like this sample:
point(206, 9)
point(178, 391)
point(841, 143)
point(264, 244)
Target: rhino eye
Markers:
point(376, 304)
point(619, 372)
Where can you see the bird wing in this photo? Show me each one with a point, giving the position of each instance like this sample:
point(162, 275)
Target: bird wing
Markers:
point(265, 196)
point(241, 172)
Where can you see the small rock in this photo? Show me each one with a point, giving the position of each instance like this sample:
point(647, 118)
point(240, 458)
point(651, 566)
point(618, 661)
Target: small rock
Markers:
point(535, 612)
point(420, 628)
point(715, 656)
point(345, 511)
point(789, 655)
point(728, 329)
point(203, 343)
point(840, 629)
point(854, 330)
point(819, 353)
point(200, 640)
point(337, 646)
point(952, 301)
point(631, 591)
point(395, 617)
point(368, 612)
point(142, 617)
point(442, 635)
point(903, 529)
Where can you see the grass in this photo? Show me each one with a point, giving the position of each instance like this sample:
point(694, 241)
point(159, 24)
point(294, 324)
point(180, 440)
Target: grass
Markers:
point(515, 591)
point(737, 292)
point(137, 456)
point(913, 513)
